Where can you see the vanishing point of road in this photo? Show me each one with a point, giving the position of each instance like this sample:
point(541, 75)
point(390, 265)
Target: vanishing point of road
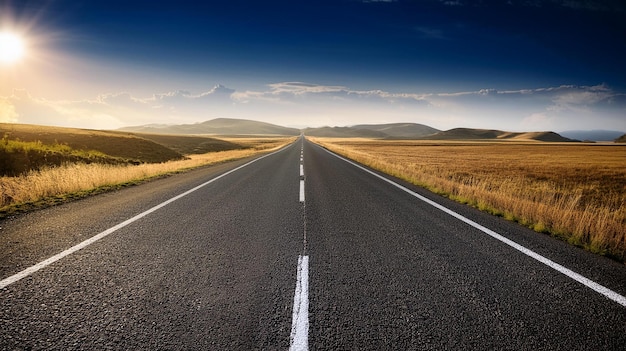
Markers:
point(299, 249)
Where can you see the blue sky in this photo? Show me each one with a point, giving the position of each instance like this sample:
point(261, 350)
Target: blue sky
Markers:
point(513, 65)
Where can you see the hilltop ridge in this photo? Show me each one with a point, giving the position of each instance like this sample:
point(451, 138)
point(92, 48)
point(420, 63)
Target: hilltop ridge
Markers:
point(493, 134)
point(406, 130)
point(217, 126)
point(379, 131)
point(423, 132)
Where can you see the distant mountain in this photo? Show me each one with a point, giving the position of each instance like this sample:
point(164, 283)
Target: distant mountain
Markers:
point(229, 126)
point(486, 134)
point(379, 131)
point(593, 135)
point(218, 126)
point(400, 130)
point(465, 133)
point(344, 132)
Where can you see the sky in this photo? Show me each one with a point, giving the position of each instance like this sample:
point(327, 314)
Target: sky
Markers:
point(517, 65)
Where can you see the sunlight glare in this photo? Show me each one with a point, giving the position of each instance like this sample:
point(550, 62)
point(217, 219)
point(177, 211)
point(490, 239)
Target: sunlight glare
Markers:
point(11, 48)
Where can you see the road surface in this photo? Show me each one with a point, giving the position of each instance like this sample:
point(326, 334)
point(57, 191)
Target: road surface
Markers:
point(299, 249)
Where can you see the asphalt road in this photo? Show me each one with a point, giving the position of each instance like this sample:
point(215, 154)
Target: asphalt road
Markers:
point(248, 261)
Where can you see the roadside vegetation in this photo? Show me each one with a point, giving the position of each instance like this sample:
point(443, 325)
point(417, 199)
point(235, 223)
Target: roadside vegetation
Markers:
point(43, 166)
point(576, 192)
point(18, 157)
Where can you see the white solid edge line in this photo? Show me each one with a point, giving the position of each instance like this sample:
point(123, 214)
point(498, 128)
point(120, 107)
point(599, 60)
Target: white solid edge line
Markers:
point(299, 339)
point(30, 270)
point(620, 299)
point(301, 190)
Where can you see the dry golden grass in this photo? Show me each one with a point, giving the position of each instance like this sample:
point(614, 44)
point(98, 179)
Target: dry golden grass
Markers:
point(573, 191)
point(75, 178)
point(114, 144)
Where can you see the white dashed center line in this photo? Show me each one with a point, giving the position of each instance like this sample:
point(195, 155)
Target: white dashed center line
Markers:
point(300, 316)
point(301, 190)
point(299, 339)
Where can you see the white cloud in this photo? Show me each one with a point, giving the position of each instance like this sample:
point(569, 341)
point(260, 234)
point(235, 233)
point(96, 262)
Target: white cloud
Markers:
point(306, 92)
point(299, 88)
point(113, 110)
point(486, 108)
point(87, 114)
point(306, 104)
point(583, 95)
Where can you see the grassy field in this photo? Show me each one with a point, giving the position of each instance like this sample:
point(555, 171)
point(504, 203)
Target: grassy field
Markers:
point(43, 166)
point(576, 192)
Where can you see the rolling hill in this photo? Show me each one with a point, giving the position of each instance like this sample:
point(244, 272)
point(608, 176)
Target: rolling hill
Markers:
point(118, 145)
point(344, 132)
point(400, 130)
point(218, 126)
point(27, 147)
point(229, 126)
point(492, 134)
point(379, 131)
point(420, 131)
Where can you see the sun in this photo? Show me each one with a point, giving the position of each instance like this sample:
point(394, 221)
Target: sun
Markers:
point(11, 48)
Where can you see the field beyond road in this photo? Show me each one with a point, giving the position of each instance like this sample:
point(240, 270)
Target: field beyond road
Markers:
point(576, 192)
